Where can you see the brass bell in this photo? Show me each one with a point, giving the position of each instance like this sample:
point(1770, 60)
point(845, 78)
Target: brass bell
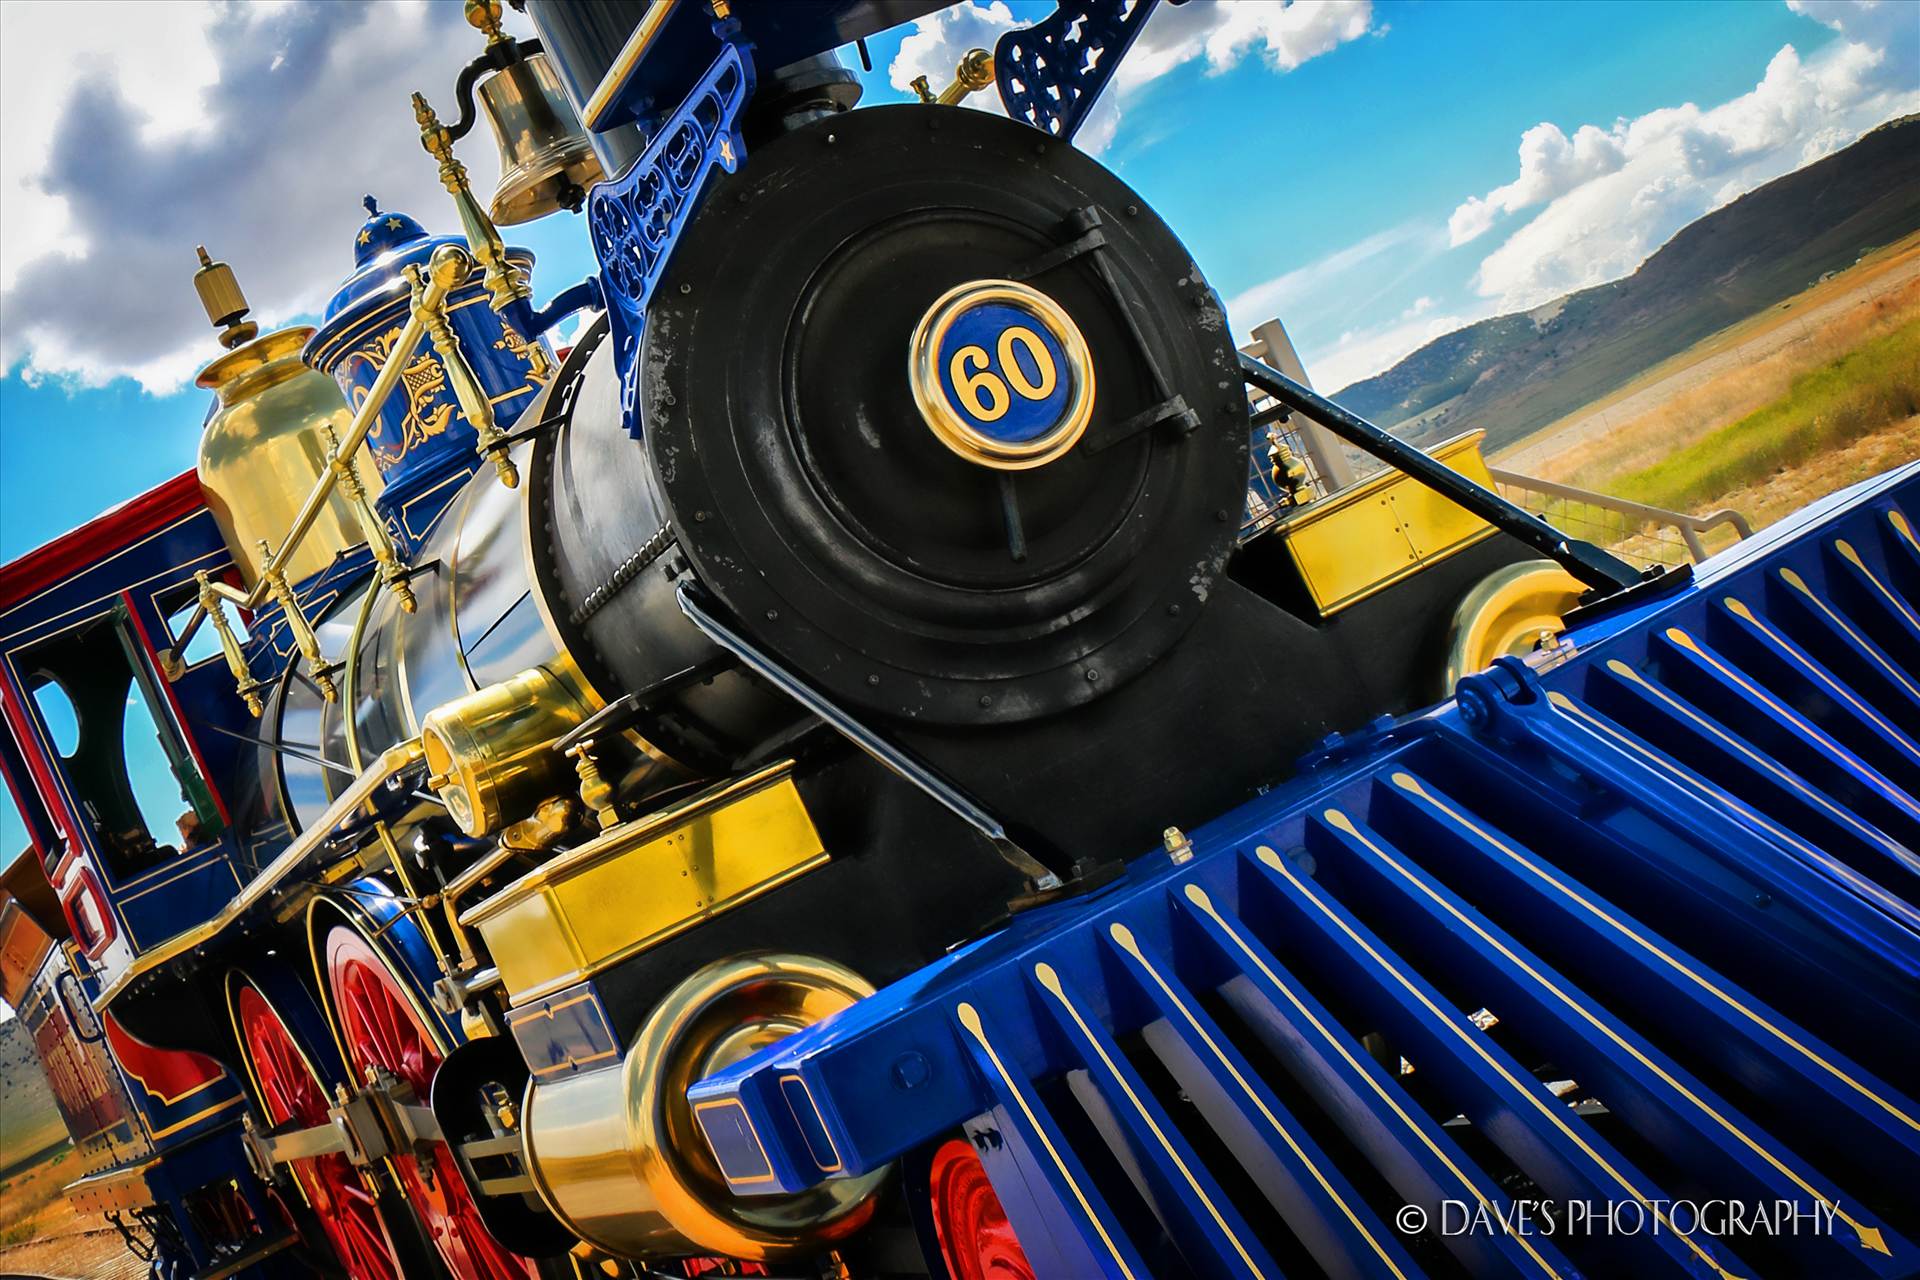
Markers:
point(546, 162)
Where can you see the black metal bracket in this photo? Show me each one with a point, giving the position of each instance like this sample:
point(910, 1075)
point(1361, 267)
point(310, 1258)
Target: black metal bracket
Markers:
point(1600, 570)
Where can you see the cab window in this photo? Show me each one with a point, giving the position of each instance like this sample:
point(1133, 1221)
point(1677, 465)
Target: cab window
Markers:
point(129, 774)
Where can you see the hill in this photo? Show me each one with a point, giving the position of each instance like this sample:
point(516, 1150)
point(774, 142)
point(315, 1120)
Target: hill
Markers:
point(1515, 373)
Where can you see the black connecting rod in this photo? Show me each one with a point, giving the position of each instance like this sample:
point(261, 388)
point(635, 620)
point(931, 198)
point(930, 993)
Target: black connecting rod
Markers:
point(1601, 570)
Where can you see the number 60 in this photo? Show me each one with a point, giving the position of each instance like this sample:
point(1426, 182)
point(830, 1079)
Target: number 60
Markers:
point(984, 393)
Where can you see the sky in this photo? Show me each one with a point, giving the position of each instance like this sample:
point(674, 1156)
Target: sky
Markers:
point(1374, 172)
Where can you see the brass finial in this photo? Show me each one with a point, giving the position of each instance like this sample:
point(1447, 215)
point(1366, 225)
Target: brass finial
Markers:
point(244, 684)
point(484, 17)
point(504, 282)
point(974, 73)
point(595, 791)
point(226, 305)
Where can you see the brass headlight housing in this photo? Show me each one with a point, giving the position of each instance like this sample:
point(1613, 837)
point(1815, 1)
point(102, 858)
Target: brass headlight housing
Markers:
point(489, 754)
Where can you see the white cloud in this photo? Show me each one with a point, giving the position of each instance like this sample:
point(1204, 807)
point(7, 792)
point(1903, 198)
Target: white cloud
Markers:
point(1223, 32)
point(1333, 275)
point(1361, 353)
point(136, 131)
point(1610, 197)
point(1551, 164)
point(1323, 296)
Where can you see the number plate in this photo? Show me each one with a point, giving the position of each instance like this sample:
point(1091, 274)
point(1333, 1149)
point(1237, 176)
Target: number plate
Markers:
point(1002, 375)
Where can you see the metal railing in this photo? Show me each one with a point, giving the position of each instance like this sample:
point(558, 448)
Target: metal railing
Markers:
point(1634, 531)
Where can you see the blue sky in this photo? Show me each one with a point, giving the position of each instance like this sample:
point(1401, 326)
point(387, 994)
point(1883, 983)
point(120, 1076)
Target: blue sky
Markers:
point(1374, 174)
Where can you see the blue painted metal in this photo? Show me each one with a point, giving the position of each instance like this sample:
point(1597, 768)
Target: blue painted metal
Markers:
point(1051, 73)
point(564, 1033)
point(422, 445)
point(1633, 924)
point(635, 220)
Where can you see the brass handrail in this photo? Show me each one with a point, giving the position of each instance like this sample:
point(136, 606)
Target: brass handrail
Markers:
point(392, 762)
point(426, 321)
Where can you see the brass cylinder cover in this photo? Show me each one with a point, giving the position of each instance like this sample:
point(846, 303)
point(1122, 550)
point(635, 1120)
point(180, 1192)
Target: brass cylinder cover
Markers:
point(489, 753)
point(617, 1157)
point(265, 446)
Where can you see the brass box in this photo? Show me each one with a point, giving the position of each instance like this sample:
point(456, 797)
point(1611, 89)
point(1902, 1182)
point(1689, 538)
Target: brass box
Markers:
point(640, 883)
point(1389, 526)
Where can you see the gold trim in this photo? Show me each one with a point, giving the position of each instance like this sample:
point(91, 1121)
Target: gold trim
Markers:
point(969, 1017)
point(184, 872)
point(1124, 937)
point(1870, 1237)
point(1898, 519)
point(1528, 1090)
point(1685, 779)
point(644, 34)
point(196, 1118)
point(1799, 584)
point(1051, 981)
point(547, 1012)
point(1764, 762)
point(1847, 552)
point(734, 1104)
point(1408, 783)
point(1198, 896)
point(825, 1132)
point(392, 761)
point(953, 430)
point(1871, 775)
point(1740, 610)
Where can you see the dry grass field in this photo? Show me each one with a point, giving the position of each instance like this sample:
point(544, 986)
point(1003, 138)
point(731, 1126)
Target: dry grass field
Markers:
point(1766, 416)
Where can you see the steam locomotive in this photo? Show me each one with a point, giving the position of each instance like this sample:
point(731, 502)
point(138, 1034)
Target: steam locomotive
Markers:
point(864, 764)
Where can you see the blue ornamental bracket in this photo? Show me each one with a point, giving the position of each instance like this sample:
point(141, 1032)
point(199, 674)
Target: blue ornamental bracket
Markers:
point(1052, 72)
point(636, 220)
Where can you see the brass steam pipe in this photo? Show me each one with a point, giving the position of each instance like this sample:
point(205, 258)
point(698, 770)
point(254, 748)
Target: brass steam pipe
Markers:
point(974, 73)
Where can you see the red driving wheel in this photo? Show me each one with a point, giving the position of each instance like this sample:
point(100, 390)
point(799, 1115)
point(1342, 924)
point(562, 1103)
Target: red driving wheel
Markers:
point(290, 1091)
point(976, 1240)
point(379, 1027)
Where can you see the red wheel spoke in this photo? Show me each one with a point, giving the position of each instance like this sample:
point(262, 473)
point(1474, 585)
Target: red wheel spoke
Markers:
point(383, 1029)
point(291, 1092)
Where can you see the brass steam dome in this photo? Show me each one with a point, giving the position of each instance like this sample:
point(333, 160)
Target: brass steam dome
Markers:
point(265, 443)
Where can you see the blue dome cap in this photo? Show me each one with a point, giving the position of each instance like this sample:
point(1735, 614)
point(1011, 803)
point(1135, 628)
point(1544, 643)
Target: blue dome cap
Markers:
point(383, 232)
